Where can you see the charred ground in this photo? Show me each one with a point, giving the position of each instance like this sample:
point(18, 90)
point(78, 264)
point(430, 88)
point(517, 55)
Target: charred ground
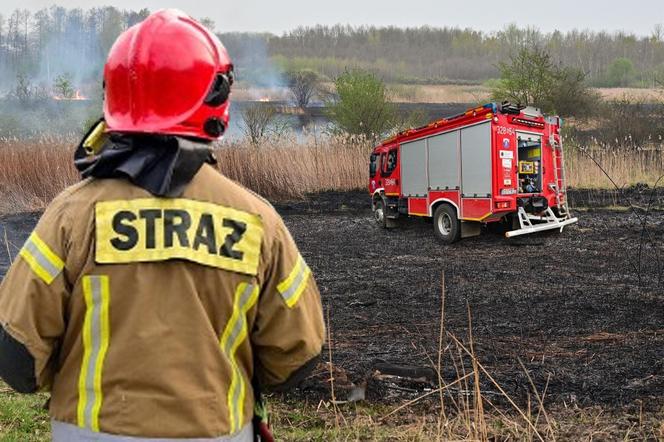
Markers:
point(582, 310)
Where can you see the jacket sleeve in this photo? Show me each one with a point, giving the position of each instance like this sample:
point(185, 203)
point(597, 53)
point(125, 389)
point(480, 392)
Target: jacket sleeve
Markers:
point(289, 330)
point(32, 306)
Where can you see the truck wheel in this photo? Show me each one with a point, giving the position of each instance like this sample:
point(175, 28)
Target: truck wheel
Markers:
point(446, 225)
point(381, 218)
point(379, 214)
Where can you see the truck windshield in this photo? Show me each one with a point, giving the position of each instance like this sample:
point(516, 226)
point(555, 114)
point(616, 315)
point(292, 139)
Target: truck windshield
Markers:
point(391, 161)
point(373, 165)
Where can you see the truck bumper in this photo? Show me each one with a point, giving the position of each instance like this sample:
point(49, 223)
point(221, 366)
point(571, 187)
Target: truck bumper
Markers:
point(533, 224)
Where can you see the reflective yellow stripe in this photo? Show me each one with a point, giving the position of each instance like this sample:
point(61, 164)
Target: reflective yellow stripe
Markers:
point(293, 286)
point(482, 218)
point(234, 334)
point(96, 336)
point(41, 259)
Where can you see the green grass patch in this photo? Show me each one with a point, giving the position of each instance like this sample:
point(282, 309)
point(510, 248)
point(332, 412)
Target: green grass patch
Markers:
point(23, 418)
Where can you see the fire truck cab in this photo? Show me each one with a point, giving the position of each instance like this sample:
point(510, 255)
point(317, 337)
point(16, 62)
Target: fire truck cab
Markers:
point(499, 165)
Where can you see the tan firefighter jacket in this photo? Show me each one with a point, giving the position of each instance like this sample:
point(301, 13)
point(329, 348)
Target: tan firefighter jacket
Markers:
point(144, 315)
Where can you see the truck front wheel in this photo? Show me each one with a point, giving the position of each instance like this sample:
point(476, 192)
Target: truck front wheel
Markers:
point(379, 213)
point(446, 225)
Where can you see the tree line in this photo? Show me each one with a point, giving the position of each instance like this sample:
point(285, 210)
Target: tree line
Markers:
point(56, 41)
point(435, 55)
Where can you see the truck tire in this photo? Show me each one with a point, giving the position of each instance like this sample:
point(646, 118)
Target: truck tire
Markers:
point(379, 213)
point(381, 218)
point(446, 225)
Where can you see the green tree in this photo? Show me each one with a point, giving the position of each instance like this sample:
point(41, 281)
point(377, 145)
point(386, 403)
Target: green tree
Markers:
point(620, 72)
point(527, 79)
point(23, 89)
point(572, 96)
point(63, 86)
point(532, 79)
point(361, 106)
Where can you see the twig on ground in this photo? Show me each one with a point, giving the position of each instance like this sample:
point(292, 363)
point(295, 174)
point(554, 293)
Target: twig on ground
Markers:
point(427, 394)
point(9, 253)
point(479, 407)
point(329, 350)
point(441, 350)
point(497, 385)
point(540, 400)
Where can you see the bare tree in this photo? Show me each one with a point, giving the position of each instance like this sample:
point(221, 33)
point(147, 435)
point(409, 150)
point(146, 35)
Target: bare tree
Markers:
point(2, 50)
point(303, 86)
point(208, 23)
point(258, 119)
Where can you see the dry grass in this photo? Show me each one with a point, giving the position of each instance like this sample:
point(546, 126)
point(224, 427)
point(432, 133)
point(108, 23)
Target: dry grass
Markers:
point(298, 421)
point(626, 168)
point(459, 409)
point(639, 94)
point(287, 170)
point(452, 93)
point(410, 93)
point(32, 173)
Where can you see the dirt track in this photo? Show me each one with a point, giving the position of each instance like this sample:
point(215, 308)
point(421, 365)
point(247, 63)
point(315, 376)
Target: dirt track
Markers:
point(579, 308)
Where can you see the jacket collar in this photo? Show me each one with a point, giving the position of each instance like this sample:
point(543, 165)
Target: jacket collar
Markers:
point(162, 165)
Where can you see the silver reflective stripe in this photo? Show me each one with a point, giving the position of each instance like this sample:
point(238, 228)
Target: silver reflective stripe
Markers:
point(230, 343)
point(96, 336)
point(94, 351)
point(294, 288)
point(43, 261)
point(63, 432)
point(244, 299)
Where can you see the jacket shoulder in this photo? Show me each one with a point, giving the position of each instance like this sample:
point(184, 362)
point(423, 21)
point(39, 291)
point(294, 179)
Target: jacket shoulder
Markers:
point(69, 197)
point(211, 185)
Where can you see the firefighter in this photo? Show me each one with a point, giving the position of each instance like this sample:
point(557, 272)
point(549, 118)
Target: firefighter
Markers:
point(156, 297)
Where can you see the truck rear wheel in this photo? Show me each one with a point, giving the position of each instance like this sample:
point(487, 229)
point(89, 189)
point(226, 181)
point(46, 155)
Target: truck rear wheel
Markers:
point(446, 225)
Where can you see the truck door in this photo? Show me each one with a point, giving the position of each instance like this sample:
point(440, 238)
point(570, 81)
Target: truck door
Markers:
point(476, 172)
point(389, 173)
point(374, 167)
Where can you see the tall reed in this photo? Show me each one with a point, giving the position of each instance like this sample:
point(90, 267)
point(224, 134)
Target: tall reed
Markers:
point(33, 172)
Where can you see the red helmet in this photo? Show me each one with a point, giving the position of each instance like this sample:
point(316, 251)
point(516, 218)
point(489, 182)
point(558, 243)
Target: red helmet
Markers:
point(168, 75)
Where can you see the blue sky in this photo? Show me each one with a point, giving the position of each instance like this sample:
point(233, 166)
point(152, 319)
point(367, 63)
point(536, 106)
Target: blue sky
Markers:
point(637, 16)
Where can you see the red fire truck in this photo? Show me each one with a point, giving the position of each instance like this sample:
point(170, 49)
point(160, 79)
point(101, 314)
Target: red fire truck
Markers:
point(499, 165)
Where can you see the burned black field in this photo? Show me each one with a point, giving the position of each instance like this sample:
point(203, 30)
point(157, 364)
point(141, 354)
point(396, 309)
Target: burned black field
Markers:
point(582, 310)
point(576, 308)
